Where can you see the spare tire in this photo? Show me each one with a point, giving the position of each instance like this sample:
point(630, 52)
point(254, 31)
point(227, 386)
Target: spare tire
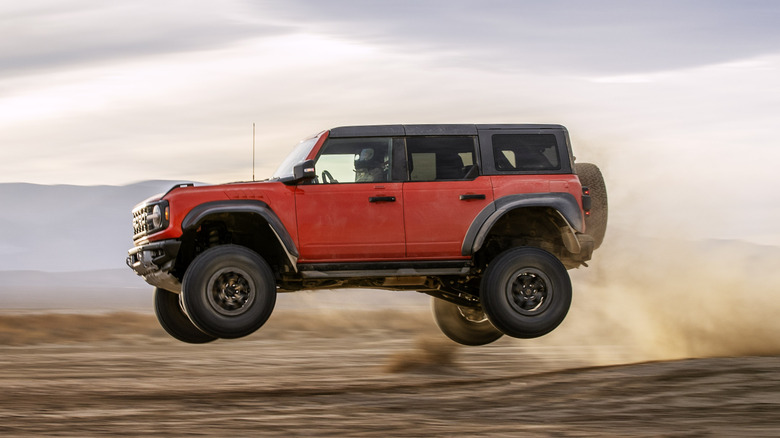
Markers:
point(596, 222)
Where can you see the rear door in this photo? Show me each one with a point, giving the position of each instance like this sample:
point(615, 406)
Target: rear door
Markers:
point(443, 195)
point(353, 210)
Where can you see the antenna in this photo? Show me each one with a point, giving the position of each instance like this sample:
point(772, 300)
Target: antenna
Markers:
point(253, 151)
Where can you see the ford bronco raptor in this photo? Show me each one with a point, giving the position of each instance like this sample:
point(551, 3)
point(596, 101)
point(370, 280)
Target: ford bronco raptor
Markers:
point(484, 218)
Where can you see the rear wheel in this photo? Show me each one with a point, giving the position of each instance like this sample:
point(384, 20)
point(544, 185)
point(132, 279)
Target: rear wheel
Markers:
point(229, 291)
point(464, 325)
point(596, 223)
point(173, 319)
point(526, 292)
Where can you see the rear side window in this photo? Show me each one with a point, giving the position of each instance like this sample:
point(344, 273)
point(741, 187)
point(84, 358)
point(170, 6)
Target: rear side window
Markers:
point(525, 152)
point(440, 158)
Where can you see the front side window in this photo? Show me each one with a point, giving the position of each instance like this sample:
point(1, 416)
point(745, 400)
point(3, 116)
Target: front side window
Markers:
point(525, 152)
point(441, 158)
point(354, 160)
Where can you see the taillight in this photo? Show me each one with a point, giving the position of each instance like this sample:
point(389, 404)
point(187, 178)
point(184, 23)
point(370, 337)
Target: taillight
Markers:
point(586, 201)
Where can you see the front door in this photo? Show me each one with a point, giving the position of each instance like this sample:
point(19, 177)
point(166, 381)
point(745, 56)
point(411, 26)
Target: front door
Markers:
point(352, 211)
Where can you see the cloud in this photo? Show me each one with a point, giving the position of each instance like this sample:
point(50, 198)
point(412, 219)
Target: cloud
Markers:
point(606, 36)
point(41, 34)
point(560, 36)
point(667, 98)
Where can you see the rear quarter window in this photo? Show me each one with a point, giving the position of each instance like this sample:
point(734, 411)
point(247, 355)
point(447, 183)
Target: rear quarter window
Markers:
point(525, 152)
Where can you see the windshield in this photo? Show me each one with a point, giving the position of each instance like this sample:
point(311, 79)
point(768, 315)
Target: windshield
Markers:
point(297, 155)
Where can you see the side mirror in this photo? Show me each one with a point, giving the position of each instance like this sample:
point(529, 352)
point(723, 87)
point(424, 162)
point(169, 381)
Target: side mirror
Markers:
point(305, 170)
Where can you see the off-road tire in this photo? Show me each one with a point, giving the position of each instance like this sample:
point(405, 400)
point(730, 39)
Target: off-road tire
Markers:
point(462, 324)
point(174, 321)
point(525, 292)
point(229, 291)
point(596, 223)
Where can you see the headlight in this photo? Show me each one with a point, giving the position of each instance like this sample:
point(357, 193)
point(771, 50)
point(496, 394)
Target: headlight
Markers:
point(150, 218)
point(156, 218)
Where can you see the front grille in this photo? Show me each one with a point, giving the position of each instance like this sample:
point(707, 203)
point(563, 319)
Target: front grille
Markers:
point(140, 222)
point(144, 219)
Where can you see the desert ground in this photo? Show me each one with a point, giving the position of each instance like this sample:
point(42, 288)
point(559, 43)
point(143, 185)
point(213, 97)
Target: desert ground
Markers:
point(653, 345)
point(369, 373)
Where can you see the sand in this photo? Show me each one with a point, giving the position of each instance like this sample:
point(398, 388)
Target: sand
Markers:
point(373, 373)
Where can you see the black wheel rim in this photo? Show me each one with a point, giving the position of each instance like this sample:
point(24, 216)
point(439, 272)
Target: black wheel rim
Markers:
point(529, 291)
point(230, 291)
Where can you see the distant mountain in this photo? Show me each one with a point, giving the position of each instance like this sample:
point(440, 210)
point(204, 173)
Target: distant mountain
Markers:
point(69, 228)
point(103, 289)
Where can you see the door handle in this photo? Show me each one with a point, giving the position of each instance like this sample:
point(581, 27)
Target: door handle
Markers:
point(472, 196)
point(381, 199)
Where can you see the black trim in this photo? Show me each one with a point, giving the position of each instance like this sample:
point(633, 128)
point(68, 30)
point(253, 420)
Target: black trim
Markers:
point(500, 126)
point(587, 202)
point(436, 130)
point(468, 197)
point(159, 253)
point(176, 187)
point(367, 131)
point(564, 203)
point(200, 212)
point(381, 199)
point(424, 264)
point(384, 269)
point(399, 171)
point(432, 129)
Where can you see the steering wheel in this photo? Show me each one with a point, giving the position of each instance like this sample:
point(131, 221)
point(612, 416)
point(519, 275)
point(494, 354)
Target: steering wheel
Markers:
point(327, 178)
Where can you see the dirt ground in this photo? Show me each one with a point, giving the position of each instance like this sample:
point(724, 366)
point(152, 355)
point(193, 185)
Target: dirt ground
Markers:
point(379, 373)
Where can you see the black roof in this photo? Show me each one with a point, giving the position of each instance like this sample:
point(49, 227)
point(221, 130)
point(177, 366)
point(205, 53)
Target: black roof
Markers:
point(439, 129)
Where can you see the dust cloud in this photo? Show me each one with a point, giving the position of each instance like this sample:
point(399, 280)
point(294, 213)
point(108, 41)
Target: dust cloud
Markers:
point(430, 355)
point(670, 299)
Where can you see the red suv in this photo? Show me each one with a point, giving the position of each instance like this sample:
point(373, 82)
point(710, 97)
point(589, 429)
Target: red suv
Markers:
point(485, 218)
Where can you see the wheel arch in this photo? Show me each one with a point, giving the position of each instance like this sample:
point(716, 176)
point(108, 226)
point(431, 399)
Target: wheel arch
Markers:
point(564, 204)
point(258, 214)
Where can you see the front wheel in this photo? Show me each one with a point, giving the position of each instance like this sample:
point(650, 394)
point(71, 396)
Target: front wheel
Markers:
point(464, 325)
point(229, 291)
point(173, 319)
point(526, 292)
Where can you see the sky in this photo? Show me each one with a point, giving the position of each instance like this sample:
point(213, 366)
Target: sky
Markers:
point(677, 101)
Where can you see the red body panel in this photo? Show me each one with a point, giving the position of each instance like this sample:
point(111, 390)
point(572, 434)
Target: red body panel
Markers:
point(426, 203)
point(337, 222)
point(504, 185)
point(182, 200)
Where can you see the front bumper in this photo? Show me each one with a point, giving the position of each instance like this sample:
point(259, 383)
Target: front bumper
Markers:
point(154, 262)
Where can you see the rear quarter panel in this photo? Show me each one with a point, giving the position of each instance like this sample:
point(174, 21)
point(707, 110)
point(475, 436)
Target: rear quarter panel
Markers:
point(504, 185)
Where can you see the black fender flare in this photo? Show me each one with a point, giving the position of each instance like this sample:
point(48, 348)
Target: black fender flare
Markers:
point(564, 203)
point(260, 208)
